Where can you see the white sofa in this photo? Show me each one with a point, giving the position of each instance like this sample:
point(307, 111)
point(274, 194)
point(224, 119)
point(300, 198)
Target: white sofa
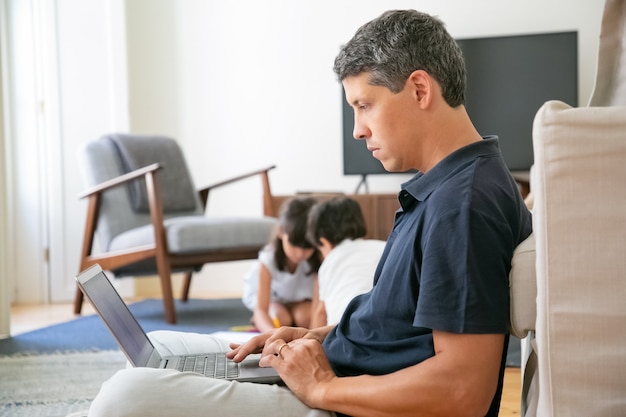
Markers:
point(574, 353)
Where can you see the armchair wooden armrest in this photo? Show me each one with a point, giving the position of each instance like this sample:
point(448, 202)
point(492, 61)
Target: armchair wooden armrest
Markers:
point(110, 260)
point(114, 182)
point(94, 196)
point(268, 204)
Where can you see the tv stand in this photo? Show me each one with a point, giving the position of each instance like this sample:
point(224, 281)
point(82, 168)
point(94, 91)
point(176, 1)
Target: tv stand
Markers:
point(522, 178)
point(363, 183)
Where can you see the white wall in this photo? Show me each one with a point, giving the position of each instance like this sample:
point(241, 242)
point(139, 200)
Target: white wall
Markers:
point(249, 83)
point(5, 285)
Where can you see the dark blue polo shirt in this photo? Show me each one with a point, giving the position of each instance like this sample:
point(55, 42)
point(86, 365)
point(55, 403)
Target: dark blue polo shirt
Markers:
point(445, 266)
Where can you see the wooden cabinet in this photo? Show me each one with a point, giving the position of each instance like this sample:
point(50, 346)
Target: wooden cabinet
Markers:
point(378, 209)
point(522, 178)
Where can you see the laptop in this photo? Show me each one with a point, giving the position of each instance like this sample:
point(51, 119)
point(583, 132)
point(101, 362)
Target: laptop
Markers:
point(140, 352)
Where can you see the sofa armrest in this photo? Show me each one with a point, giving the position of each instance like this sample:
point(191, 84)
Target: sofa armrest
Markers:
point(523, 289)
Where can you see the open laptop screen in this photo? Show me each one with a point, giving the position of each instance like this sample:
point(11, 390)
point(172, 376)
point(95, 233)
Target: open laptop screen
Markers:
point(116, 315)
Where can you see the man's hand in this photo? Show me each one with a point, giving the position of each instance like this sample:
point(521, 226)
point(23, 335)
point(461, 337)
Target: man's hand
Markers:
point(302, 365)
point(259, 343)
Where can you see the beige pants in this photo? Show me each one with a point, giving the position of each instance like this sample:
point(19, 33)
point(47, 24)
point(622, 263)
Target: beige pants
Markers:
point(156, 392)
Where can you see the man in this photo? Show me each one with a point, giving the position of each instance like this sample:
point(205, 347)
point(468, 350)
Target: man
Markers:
point(430, 338)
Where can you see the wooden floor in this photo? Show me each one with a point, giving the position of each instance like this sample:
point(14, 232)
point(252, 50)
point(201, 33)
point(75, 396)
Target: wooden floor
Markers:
point(511, 394)
point(25, 318)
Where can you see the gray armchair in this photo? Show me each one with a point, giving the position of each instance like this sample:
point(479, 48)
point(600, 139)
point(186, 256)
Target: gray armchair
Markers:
point(150, 220)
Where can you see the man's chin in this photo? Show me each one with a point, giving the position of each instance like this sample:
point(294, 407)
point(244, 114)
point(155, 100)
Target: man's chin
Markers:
point(390, 167)
point(396, 170)
point(386, 165)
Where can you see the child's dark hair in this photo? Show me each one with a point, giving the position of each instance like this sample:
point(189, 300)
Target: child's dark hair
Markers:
point(292, 221)
point(336, 219)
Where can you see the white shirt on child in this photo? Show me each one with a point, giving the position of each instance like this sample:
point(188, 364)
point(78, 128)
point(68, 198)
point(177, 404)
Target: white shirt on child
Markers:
point(286, 287)
point(347, 271)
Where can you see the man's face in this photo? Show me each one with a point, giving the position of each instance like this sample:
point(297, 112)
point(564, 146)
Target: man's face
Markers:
point(386, 121)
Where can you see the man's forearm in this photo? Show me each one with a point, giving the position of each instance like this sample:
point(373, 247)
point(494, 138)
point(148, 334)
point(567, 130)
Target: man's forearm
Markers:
point(408, 392)
point(447, 384)
point(319, 333)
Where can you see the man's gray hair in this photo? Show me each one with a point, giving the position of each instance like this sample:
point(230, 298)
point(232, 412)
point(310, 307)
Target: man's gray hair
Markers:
point(399, 42)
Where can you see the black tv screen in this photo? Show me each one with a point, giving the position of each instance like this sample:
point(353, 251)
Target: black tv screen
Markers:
point(508, 80)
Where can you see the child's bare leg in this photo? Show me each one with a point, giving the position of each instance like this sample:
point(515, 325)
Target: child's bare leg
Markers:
point(301, 313)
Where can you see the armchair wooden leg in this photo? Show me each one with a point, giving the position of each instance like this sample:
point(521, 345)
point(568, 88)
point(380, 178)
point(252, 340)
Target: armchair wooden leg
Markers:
point(165, 275)
point(164, 265)
point(168, 302)
point(78, 301)
point(186, 285)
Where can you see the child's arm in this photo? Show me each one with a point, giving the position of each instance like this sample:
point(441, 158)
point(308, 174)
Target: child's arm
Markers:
point(318, 310)
point(261, 315)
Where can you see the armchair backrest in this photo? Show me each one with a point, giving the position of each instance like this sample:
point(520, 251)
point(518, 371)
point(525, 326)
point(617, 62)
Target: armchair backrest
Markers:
point(123, 208)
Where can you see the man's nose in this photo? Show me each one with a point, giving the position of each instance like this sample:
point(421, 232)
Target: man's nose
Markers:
point(360, 131)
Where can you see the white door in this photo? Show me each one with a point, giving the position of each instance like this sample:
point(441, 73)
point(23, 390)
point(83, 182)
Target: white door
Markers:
point(65, 84)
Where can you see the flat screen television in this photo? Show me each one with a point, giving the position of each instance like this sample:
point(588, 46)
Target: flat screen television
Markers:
point(508, 80)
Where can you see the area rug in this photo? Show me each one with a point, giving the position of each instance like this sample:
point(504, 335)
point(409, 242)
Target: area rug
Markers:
point(88, 333)
point(197, 315)
point(54, 385)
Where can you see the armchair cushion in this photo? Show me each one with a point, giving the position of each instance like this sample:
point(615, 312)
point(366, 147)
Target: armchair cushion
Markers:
point(100, 162)
point(177, 191)
point(190, 234)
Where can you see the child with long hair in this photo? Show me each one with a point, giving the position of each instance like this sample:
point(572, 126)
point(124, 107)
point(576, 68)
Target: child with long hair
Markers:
point(279, 288)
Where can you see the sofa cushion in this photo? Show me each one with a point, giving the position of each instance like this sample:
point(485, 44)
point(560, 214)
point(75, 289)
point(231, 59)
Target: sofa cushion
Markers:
point(523, 288)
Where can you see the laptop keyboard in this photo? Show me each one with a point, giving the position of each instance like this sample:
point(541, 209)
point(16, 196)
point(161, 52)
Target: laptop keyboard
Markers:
point(213, 366)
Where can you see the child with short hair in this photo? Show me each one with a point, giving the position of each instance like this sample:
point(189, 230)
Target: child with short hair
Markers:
point(279, 288)
point(337, 227)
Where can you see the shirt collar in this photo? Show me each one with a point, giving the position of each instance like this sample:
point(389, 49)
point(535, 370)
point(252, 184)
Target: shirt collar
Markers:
point(421, 185)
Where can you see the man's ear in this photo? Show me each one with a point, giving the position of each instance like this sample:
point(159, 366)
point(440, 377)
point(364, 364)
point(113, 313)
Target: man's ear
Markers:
point(422, 87)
